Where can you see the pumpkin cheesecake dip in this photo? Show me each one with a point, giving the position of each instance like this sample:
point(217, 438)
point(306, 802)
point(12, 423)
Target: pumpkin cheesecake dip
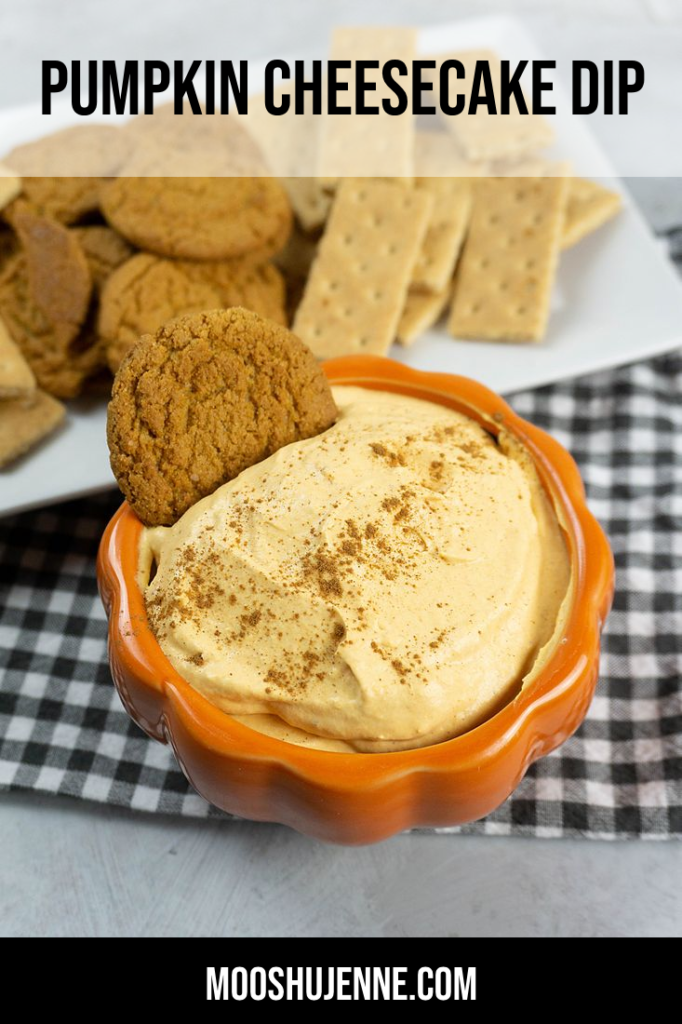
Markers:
point(386, 584)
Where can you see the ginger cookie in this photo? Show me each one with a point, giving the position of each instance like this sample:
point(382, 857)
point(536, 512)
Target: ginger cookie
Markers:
point(62, 173)
point(148, 290)
point(83, 150)
point(199, 218)
point(204, 398)
point(58, 272)
point(67, 200)
point(105, 250)
point(66, 374)
point(210, 144)
point(45, 294)
point(258, 287)
point(61, 355)
point(141, 296)
point(16, 377)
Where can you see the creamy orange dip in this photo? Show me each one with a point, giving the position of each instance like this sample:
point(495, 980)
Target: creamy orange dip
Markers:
point(387, 584)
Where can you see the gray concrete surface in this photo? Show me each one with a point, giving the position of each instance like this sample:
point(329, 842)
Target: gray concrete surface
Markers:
point(72, 869)
point(75, 869)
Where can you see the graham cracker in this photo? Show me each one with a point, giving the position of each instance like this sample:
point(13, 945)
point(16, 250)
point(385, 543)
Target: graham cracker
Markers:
point(26, 421)
point(358, 283)
point(452, 202)
point(10, 186)
point(368, 145)
point(531, 167)
point(486, 136)
point(589, 206)
point(289, 143)
point(310, 201)
point(16, 376)
point(507, 268)
point(437, 155)
point(420, 312)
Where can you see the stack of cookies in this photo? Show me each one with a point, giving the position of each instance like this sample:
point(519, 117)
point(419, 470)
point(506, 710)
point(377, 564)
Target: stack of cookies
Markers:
point(107, 233)
point(205, 244)
point(27, 414)
point(91, 261)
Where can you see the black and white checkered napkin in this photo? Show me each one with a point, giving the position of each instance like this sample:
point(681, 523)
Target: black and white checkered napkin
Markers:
point(63, 730)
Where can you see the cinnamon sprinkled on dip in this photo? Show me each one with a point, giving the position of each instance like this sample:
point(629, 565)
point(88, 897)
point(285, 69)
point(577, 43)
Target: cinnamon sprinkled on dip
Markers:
point(387, 584)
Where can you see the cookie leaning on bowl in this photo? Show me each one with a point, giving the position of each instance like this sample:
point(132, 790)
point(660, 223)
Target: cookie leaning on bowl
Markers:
point(204, 398)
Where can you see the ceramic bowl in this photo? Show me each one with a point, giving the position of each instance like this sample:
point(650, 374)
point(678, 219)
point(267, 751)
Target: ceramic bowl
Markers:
point(362, 798)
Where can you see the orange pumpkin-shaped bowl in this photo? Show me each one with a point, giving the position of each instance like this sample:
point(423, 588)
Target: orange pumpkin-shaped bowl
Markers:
point(362, 798)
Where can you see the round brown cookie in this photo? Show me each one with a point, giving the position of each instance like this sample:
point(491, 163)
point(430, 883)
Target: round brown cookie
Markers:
point(105, 251)
point(61, 355)
point(45, 297)
point(141, 296)
point(148, 290)
point(83, 150)
point(62, 173)
point(67, 200)
point(259, 287)
point(202, 399)
point(214, 144)
point(68, 378)
point(59, 276)
point(199, 218)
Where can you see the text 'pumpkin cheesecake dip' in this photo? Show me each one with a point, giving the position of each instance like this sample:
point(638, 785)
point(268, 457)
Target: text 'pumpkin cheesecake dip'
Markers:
point(380, 582)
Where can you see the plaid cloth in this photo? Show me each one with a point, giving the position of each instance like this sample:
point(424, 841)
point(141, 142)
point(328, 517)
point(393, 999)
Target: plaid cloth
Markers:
point(63, 730)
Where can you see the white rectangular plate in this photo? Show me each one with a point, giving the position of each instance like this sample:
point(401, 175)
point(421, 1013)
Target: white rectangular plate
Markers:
point(618, 299)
